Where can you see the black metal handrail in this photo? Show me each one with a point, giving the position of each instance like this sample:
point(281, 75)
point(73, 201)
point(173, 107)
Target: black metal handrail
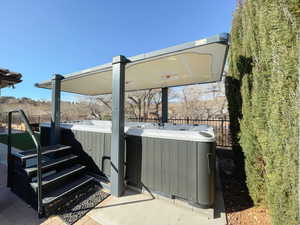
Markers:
point(39, 154)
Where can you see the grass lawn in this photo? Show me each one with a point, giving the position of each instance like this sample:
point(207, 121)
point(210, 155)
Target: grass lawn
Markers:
point(19, 140)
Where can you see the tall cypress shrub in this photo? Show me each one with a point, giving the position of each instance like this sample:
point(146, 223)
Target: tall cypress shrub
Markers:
point(232, 89)
point(264, 64)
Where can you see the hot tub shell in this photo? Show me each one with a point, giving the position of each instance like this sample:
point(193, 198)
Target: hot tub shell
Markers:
point(177, 161)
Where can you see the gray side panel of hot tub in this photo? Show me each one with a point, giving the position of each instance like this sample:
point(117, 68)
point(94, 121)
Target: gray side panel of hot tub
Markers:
point(92, 147)
point(172, 167)
point(96, 146)
point(169, 169)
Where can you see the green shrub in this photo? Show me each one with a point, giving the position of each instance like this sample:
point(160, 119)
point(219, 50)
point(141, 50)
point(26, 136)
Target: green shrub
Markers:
point(233, 86)
point(262, 94)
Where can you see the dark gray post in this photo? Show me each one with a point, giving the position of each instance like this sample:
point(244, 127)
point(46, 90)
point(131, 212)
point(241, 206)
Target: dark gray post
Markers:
point(117, 137)
point(164, 105)
point(55, 114)
point(9, 160)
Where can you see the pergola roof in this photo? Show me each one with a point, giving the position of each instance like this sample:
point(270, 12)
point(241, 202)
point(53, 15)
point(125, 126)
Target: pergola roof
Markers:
point(200, 61)
point(8, 78)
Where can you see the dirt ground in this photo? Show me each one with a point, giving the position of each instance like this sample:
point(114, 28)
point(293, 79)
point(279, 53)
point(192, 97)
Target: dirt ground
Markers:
point(238, 204)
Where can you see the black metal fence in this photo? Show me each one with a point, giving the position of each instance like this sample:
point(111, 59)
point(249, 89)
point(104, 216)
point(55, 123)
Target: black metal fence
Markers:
point(17, 121)
point(221, 127)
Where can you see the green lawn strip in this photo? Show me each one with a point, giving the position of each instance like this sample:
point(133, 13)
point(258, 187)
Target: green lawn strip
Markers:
point(21, 141)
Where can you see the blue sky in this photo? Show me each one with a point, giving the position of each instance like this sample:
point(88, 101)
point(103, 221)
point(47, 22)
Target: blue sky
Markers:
point(40, 38)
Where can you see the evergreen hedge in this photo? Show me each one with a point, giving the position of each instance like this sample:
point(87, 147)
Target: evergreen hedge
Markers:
point(262, 92)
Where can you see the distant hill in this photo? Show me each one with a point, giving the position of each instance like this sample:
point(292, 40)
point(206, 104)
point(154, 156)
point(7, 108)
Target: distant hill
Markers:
point(40, 110)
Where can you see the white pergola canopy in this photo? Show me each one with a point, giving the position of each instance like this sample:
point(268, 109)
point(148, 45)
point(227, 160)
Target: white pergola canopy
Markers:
point(195, 62)
point(200, 61)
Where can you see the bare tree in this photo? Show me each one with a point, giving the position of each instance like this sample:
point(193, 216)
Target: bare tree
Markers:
point(217, 90)
point(190, 97)
point(203, 101)
point(98, 106)
point(140, 102)
point(145, 104)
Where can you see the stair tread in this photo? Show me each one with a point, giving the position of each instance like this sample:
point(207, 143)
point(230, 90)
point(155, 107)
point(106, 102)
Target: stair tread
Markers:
point(50, 163)
point(44, 150)
point(59, 175)
point(65, 189)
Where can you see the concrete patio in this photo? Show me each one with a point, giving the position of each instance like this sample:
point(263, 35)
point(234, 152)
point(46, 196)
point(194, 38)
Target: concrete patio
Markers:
point(131, 209)
point(144, 209)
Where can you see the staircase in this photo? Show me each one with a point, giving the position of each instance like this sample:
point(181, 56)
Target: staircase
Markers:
point(46, 176)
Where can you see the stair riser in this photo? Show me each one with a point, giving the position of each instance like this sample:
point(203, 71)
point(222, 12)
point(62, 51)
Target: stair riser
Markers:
point(23, 189)
point(63, 175)
point(60, 181)
point(28, 162)
point(55, 167)
point(20, 163)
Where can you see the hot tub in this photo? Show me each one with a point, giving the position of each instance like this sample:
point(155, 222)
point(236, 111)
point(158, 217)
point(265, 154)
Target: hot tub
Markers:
point(177, 161)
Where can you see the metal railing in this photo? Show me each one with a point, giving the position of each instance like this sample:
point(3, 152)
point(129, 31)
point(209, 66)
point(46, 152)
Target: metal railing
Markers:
point(39, 154)
point(221, 127)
